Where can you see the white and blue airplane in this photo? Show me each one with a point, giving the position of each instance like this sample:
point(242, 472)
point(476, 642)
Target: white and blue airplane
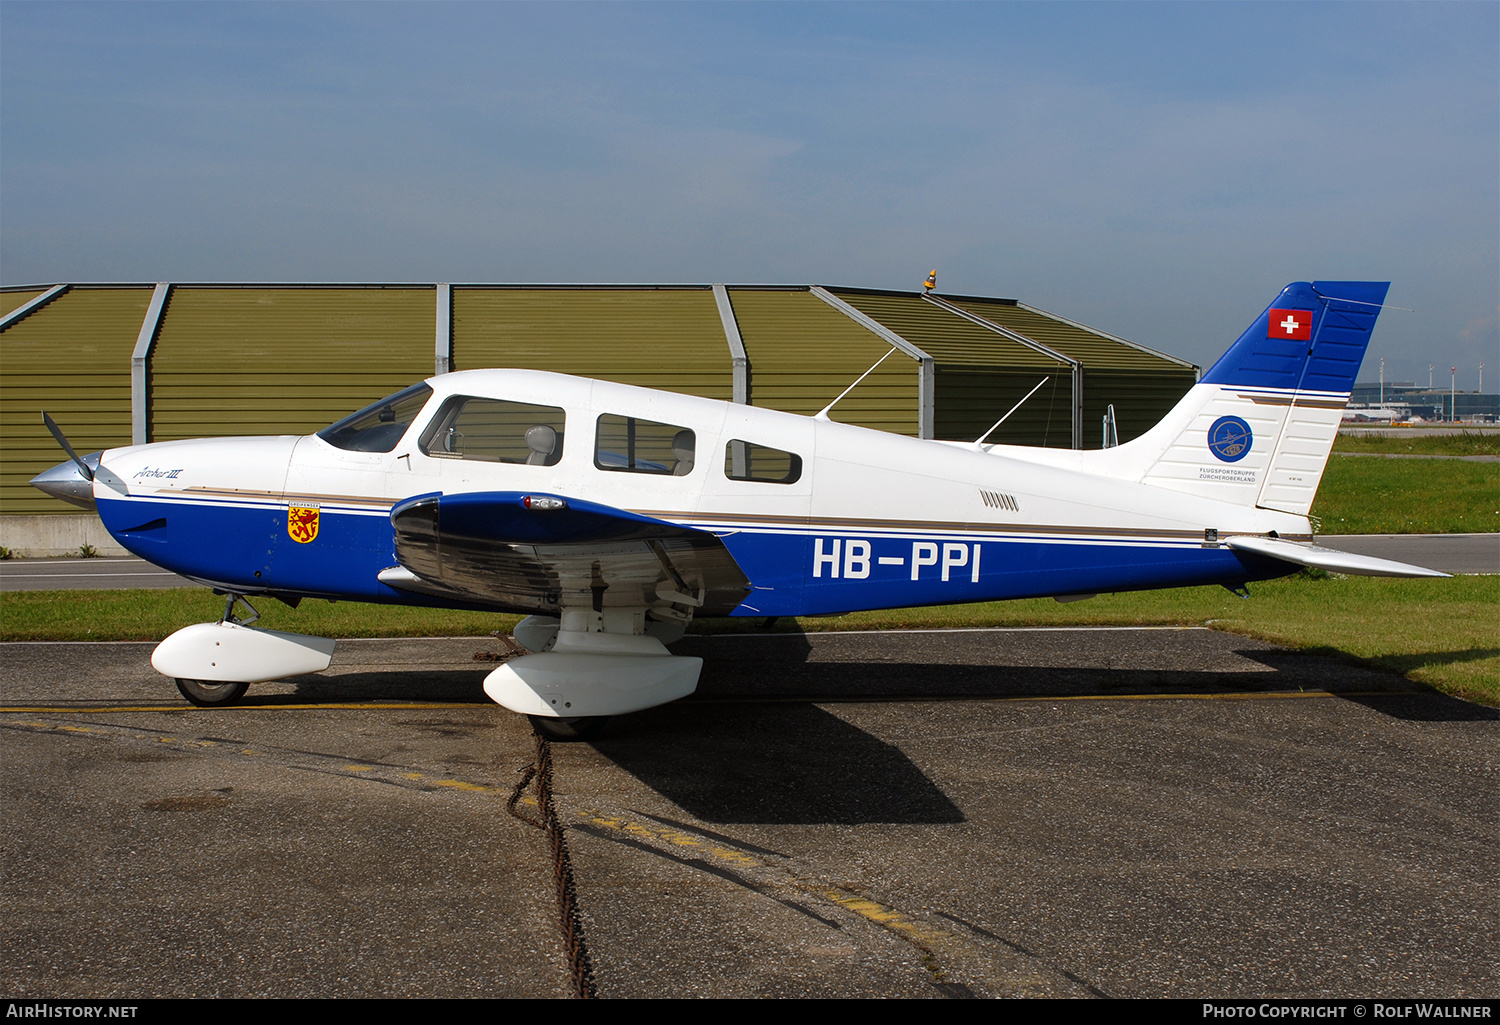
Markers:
point(612, 515)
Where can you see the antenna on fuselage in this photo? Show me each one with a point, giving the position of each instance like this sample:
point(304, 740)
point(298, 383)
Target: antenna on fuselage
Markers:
point(823, 414)
point(986, 434)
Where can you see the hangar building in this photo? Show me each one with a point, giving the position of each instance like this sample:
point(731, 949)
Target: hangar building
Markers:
point(116, 363)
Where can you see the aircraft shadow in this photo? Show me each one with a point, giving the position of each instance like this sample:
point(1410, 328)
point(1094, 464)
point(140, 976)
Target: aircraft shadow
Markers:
point(784, 764)
point(753, 747)
point(780, 672)
point(460, 686)
point(779, 669)
point(1351, 679)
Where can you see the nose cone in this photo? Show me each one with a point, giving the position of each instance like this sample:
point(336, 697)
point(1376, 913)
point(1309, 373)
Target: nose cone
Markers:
point(67, 482)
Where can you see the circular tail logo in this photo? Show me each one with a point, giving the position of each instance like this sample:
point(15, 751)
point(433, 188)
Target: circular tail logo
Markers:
point(1229, 439)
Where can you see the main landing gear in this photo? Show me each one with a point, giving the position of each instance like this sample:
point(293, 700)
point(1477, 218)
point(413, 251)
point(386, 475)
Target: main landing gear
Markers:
point(589, 665)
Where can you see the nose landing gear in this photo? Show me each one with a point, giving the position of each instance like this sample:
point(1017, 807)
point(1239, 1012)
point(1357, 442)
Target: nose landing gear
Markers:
point(205, 694)
point(213, 664)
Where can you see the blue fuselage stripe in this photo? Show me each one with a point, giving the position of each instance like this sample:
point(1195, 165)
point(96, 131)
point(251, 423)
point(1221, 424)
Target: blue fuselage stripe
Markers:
point(793, 571)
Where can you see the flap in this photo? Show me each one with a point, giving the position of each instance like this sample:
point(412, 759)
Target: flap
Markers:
point(530, 552)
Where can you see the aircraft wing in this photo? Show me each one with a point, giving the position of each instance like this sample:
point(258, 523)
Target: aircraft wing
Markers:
point(1327, 558)
point(537, 553)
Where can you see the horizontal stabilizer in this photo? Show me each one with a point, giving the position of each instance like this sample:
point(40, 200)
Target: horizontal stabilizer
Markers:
point(1328, 559)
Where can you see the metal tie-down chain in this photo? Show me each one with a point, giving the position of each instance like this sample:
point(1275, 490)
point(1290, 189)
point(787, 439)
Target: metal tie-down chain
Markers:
point(562, 870)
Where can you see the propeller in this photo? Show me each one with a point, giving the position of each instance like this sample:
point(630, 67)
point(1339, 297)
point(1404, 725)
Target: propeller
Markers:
point(63, 441)
point(73, 479)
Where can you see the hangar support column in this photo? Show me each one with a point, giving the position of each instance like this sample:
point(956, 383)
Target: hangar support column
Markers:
point(1051, 353)
point(736, 345)
point(927, 374)
point(140, 366)
point(443, 356)
point(37, 303)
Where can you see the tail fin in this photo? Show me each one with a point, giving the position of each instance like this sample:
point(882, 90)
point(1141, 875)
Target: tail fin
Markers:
point(1258, 427)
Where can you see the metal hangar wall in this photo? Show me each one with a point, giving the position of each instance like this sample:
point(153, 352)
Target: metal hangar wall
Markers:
point(117, 363)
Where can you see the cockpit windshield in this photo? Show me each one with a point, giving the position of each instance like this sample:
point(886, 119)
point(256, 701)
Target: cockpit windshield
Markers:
point(378, 427)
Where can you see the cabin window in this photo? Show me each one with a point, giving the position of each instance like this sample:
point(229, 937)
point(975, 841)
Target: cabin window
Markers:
point(379, 426)
point(495, 431)
point(643, 446)
point(745, 460)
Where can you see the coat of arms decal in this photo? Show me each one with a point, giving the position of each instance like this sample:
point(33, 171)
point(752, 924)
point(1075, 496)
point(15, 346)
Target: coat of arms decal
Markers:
point(302, 523)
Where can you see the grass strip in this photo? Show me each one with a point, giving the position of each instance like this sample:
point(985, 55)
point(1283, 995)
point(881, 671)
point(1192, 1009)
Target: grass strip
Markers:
point(1420, 443)
point(1408, 496)
point(1444, 633)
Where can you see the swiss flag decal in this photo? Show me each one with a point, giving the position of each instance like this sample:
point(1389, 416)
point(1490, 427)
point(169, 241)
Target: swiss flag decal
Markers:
point(1293, 324)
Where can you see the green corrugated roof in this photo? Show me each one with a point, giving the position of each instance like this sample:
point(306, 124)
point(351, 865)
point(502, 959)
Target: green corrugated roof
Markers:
point(14, 300)
point(71, 358)
point(274, 360)
point(946, 337)
point(803, 352)
point(669, 338)
point(1090, 348)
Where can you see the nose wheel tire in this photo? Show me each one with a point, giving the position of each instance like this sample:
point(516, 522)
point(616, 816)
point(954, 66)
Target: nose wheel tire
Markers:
point(211, 695)
point(577, 728)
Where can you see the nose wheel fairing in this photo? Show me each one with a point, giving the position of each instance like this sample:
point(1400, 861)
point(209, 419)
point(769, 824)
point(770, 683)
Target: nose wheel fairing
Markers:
point(236, 653)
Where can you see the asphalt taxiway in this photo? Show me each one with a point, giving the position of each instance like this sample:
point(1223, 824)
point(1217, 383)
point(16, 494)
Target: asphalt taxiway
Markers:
point(1169, 812)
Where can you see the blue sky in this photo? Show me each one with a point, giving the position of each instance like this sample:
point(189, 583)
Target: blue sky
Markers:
point(1155, 170)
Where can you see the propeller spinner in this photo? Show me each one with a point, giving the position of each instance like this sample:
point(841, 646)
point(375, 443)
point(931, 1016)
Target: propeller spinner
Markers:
point(72, 481)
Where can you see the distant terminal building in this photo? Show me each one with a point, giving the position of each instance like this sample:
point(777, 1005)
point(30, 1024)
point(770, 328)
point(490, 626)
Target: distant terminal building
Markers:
point(1428, 403)
point(117, 363)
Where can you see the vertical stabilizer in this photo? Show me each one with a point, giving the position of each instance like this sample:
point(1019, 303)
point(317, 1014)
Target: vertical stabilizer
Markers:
point(1258, 427)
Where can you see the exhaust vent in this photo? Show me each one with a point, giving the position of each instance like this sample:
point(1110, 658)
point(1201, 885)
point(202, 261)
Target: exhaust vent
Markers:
point(996, 500)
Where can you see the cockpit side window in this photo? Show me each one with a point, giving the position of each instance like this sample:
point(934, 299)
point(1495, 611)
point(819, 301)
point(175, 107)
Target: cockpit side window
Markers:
point(495, 431)
point(744, 460)
point(379, 426)
point(643, 446)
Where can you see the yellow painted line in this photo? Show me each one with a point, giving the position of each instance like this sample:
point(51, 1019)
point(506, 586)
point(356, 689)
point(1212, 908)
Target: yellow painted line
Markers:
point(459, 784)
point(1278, 695)
point(927, 938)
point(886, 699)
point(351, 767)
point(675, 837)
point(352, 705)
point(730, 700)
point(890, 918)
